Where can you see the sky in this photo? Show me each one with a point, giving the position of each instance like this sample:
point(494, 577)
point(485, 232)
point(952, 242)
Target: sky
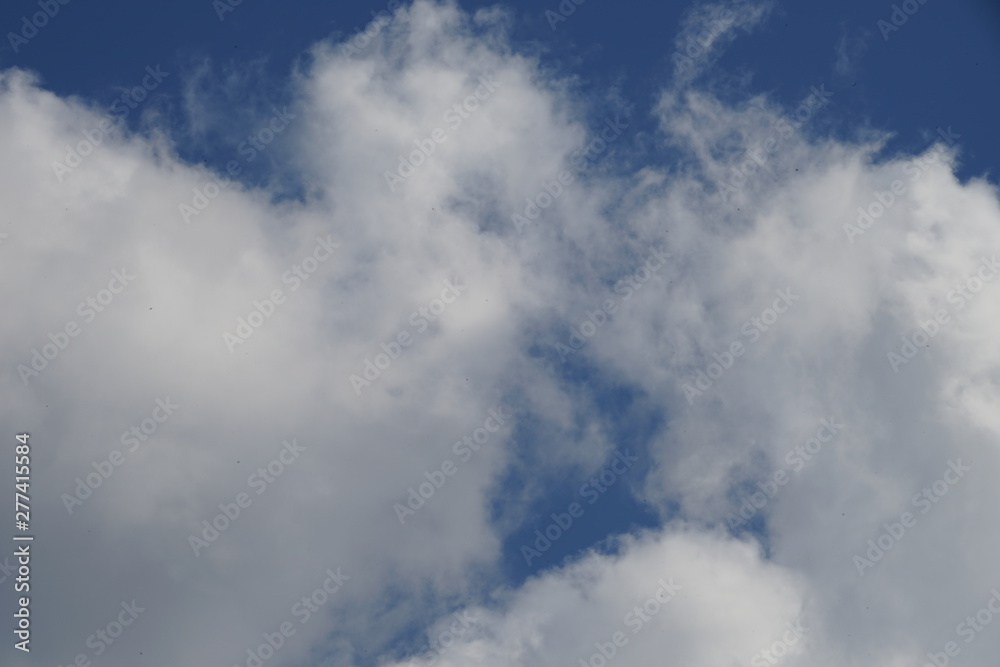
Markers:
point(443, 333)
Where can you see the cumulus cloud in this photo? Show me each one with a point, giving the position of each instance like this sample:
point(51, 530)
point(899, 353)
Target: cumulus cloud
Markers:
point(327, 352)
point(634, 609)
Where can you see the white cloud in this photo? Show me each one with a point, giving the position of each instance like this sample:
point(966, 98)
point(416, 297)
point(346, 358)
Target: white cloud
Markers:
point(827, 356)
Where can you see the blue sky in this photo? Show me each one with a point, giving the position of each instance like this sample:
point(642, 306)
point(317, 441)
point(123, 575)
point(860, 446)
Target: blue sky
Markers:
point(950, 48)
point(263, 306)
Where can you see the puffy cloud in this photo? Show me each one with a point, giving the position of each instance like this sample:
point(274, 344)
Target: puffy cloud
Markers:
point(422, 286)
point(728, 605)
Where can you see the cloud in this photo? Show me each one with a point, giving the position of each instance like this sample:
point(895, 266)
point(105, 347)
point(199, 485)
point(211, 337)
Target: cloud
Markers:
point(828, 357)
point(707, 29)
point(633, 609)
